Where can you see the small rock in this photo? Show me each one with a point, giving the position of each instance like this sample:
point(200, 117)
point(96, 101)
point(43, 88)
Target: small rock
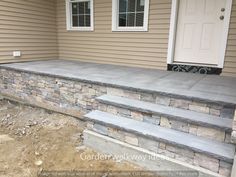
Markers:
point(118, 160)
point(105, 175)
point(38, 162)
point(80, 148)
point(36, 153)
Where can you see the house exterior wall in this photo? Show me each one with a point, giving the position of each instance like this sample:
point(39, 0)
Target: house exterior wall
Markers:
point(38, 29)
point(142, 49)
point(230, 58)
point(28, 26)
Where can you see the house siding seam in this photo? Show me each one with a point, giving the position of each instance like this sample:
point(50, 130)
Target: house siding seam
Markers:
point(28, 26)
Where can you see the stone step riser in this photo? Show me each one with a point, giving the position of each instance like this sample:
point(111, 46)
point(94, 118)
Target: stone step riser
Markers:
point(226, 111)
point(168, 150)
point(191, 128)
point(149, 160)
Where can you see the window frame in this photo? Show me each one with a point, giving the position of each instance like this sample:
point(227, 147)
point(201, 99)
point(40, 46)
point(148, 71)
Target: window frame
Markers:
point(115, 18)
point(69, 16)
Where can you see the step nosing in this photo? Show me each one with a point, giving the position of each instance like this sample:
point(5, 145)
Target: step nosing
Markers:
point(195, 117)
point(219, 150)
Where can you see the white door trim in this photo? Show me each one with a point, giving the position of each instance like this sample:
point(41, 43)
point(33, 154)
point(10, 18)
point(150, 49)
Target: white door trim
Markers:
point(173, 27)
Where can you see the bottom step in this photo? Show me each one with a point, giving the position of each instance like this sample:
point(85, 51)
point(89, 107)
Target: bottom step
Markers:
point(155, 162)
point(218, 150)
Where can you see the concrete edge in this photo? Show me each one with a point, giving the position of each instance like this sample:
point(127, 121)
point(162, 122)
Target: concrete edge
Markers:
point(175, 95)
point(233, 174)
point(155, 162)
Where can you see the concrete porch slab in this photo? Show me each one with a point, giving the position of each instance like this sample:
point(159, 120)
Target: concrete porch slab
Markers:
point(198, 87)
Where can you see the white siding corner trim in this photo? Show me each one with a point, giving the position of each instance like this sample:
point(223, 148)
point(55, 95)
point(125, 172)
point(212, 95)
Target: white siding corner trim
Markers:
point(173, 27)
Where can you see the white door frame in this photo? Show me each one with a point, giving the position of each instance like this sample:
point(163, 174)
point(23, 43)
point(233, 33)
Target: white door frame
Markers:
point(173, 28)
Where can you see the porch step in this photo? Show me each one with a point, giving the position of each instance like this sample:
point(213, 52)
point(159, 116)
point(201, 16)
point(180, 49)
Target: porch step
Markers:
point(211, 148)
point(156, 162)
point(188, 116)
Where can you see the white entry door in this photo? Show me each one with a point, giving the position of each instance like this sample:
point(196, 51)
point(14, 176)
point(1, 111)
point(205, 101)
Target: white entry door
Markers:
point(199, 31)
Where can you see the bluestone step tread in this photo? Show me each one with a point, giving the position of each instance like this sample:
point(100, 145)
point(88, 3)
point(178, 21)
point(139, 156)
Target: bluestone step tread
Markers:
point(218, 150)
point(171, 112)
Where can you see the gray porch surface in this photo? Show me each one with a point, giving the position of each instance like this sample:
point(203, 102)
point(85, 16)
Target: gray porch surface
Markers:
point(209, 88)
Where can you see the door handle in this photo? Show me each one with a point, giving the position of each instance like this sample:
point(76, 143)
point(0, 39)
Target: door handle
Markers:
point(222, 17)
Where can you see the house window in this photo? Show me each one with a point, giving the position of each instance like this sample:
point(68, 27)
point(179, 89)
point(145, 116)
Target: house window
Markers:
point(79, 15)
point(130, 15)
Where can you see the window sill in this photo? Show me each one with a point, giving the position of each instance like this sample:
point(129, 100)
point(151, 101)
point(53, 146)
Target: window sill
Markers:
point(130, 30)
point(80, 29)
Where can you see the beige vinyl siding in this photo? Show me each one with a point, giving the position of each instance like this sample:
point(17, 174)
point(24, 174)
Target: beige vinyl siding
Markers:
point(143, 49)
point(230, 59)
point(28, 26)
point(38, 29)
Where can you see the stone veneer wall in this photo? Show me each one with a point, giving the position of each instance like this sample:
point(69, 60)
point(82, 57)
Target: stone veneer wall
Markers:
point(234, 129)
point(233, 136)
point(74, 97)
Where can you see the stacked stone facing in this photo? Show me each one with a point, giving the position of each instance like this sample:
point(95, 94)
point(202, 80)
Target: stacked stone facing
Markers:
point(78, 97)
point(181, 154)
point(70, 95)
point(233, 136)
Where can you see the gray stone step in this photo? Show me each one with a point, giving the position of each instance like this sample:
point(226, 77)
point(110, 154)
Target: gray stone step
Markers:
point(155, 162)
point(212, 148)
point(170, 112)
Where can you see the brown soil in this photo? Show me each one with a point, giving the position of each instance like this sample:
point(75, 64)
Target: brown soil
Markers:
point(33, 140)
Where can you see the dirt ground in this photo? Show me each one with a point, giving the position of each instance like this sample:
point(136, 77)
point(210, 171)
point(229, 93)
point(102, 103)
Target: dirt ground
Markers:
point(33, 140)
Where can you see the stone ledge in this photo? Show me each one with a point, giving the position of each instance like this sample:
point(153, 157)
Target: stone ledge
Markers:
point(154, 162)
point(218, 150)
point(201, 119)
point(182, 94)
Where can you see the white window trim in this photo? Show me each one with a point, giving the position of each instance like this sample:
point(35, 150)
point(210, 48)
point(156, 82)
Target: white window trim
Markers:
point(69, 16)
point(115, 18)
